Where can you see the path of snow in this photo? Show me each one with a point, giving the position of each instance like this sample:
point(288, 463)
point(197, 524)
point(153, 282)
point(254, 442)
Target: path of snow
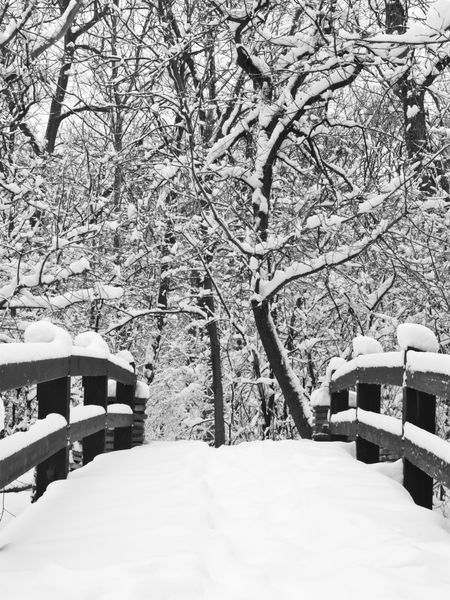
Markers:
point(263, 520)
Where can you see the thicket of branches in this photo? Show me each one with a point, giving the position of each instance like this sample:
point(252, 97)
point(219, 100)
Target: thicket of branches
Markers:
point(231, 190)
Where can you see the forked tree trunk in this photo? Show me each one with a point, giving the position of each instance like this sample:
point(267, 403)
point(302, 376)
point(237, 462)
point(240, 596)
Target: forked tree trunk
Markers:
point(279, 363)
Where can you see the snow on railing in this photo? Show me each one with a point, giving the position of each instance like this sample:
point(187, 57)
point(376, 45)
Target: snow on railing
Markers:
point(423, 374)
point(50, 358)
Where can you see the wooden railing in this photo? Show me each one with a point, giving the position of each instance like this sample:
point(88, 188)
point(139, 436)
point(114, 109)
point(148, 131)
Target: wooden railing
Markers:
point(423, 377)
point(46, 444)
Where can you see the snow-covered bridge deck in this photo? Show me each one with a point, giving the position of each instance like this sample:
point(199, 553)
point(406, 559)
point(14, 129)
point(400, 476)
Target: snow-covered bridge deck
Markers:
point(259, 521)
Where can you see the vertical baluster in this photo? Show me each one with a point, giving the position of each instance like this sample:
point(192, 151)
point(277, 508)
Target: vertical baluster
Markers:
point(419, 408)
point(53, 397)
point(123, 436)
point(368, 397)
point(95, 393)
point(338, 403)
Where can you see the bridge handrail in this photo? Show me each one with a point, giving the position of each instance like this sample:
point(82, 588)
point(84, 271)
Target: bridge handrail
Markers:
point(423, 376)
point(45, 445)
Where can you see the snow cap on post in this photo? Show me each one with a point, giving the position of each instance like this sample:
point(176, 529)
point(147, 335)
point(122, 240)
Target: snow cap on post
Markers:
point(126, 356)
point(46, 332)
point(416, 337)
point(320, 397)
point(92, 341)
point(335, 363)
point(142, 390)
point(363, 344)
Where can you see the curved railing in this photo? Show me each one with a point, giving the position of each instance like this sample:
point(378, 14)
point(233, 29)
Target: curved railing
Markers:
point(46, 444)
point(423, 377)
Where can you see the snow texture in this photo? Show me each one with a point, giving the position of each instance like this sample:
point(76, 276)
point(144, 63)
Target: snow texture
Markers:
point(79, 413)
point(126, 356)
point(120, 362)
point(417, 337)
point(321, 397)
point(336, 363)
point(93, 343)
point(383, 359)
point(46, 332)
point(384, 422)
point(429, 362)
point(258, 521)
point(142, 390)
point(344, 416)
point(428, 441)
point(363, 344)
point(112, 387)
point(20, 440)
point(119, 409)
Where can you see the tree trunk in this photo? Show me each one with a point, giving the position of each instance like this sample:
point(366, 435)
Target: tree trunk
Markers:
point(207, 302)
point(282, 370)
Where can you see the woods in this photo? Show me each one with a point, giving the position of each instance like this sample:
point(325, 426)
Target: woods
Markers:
point(232, 189)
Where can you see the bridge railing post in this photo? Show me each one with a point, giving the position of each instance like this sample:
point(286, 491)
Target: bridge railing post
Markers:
point(95, 393)
point(53, 397)
point(123, 436)
point(419, 408)
point(338, 403)
point(368, 397)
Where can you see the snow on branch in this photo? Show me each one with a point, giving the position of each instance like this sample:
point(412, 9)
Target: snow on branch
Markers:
point(157, 312)
point(14, 26)
point(341, 255)
point(58, 28)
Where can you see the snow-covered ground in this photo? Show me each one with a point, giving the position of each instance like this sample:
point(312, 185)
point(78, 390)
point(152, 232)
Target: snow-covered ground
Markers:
point(263, 520)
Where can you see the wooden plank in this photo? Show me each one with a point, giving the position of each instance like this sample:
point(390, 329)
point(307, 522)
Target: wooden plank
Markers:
point(53, 397)
point(375, 375)
point(88, 366)
point(87, 427)
point(343, 430)
point(16, 375)
point(432, 383)
point(124, 376)
point(344, 381)
point(338, 403)
point(95, 394)
point(119, 420)
point(22, 461)
point(419, 409)
point(123, 436)
point(427, 462)
point(368, 397)
point(379, 437)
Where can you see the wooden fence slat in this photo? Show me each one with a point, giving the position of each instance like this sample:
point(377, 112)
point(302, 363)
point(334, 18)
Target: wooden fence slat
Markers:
point(368, 397)
point(338, 403)
point(123, 436)
point(95, 393)
point(419, 408)
point(53, 397)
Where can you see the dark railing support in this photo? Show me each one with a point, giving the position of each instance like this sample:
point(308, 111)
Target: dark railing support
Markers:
point(95, 393)
point(53, 397)
point(123, 436)
point(338, 403)
point(419, 408)
point(368, 397)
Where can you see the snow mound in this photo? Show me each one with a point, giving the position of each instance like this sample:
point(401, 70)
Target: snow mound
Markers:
point(321, 397)
point(363, 344)
point(417, 337)
point(126, 356)
point(92, 341)
point(142, 390)
point(335, 363)
point(44, 331)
